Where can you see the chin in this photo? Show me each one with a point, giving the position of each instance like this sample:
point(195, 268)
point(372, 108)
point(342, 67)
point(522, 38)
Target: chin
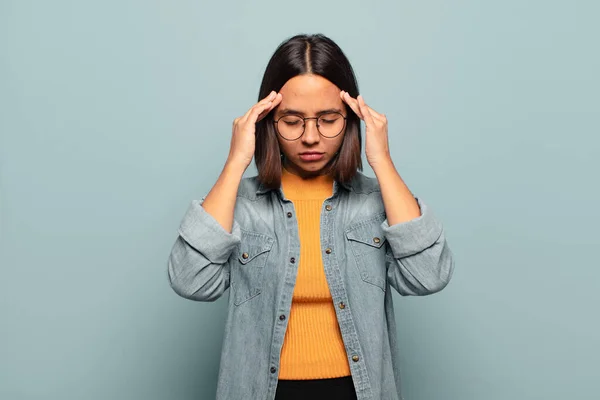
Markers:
point(313, 168)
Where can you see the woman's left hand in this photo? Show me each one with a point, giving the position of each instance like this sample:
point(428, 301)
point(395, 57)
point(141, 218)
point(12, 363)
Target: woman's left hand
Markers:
point(376, 141)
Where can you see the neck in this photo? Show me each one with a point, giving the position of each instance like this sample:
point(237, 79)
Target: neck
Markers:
point(295, 186)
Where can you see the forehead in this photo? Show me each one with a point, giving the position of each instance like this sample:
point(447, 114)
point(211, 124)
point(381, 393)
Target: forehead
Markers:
point(310, 93)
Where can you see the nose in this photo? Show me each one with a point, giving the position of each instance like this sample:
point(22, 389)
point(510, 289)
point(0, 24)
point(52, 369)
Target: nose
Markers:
point(311, 133)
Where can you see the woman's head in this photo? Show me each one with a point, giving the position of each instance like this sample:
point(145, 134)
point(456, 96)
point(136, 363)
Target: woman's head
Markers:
point(309, 71)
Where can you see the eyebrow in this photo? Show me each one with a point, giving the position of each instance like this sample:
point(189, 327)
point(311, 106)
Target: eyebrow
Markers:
point(287, 111)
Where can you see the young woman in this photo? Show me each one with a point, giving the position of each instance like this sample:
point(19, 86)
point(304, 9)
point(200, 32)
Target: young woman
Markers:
point(310, 248)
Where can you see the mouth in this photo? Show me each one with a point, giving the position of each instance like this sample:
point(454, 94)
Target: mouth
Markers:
point(311, 156)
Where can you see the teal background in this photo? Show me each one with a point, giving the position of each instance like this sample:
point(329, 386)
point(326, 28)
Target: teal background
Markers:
point(114, 115)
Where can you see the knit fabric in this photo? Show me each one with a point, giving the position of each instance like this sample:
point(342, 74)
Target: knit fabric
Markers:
point(313, 346)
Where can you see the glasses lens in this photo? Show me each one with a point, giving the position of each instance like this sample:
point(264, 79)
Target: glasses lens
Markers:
point(331, 124)
point(290, 126)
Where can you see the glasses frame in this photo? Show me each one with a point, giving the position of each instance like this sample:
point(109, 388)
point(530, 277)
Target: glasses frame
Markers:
point(304, 125)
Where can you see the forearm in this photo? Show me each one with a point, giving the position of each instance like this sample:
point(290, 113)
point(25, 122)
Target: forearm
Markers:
point(400, 204)
point(220, 201)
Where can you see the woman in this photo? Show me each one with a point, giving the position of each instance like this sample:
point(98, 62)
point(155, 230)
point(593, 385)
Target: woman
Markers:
point(310, 247)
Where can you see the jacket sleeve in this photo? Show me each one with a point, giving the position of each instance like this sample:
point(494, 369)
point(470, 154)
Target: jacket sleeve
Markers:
point(418, 260)
point(198, 266)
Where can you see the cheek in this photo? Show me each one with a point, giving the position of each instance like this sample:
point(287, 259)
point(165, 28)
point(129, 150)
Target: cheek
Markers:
point(339, 141)
point(284, 147)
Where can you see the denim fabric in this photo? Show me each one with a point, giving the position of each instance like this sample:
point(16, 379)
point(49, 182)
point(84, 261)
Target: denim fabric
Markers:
point(363, 258)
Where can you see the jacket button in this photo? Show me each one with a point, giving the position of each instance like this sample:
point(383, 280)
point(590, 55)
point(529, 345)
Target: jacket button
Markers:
point(328, 207)
point(273, 370)
point(289, 214)
point(355, 358)
point(328, 250)
point(282, 317)
point(245, 255)
point(292, 260)
point(376, 240)
point(342, 305)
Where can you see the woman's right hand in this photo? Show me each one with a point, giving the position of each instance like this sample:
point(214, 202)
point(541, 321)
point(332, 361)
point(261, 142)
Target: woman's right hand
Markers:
point(243, 137)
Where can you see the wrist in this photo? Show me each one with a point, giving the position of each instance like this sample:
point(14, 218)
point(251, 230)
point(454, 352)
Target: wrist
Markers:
point(235, 167)
point(236, 163)
point(382, 165)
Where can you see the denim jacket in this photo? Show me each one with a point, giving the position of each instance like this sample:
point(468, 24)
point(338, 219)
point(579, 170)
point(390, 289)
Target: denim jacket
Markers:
point(363, 258)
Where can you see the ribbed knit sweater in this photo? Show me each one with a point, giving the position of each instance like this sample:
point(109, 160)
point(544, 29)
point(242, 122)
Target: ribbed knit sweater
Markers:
point(313, 346)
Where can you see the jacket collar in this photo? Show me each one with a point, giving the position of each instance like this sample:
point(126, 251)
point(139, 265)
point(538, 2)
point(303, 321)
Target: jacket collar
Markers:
point(262, 189)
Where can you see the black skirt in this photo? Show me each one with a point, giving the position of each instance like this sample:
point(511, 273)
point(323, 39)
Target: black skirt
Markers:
point(316, 389)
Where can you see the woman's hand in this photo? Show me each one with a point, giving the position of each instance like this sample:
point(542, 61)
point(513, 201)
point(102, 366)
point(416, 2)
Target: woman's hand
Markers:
point(376, 143)
point(243, 137)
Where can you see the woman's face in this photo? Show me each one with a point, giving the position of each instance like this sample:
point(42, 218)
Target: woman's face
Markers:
point(309, 96)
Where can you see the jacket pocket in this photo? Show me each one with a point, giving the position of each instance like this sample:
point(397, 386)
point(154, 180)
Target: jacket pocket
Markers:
point(367, 241)
point(246, 277)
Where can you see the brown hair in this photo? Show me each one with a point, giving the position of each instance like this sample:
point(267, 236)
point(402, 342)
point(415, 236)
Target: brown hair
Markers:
point(308, 54)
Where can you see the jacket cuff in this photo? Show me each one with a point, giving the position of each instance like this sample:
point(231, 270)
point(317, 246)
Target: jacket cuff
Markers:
point(204, 233)
point(414, 236)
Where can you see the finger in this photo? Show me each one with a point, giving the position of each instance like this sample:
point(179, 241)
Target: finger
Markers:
point(253, 112)
point(375, 114)
point(266, 100)
point(269, 97)
point(257, 111)
point(352, 103)
point(258, 106)
point(365, 110)
point(274, 104)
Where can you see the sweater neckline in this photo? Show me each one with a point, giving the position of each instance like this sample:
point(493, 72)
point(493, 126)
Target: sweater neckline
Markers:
point(299, 188)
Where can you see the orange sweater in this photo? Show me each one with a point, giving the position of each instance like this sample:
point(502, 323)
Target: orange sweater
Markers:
point(313, 346)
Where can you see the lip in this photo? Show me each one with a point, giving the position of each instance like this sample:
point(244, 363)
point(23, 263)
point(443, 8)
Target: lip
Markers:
point(311, 156)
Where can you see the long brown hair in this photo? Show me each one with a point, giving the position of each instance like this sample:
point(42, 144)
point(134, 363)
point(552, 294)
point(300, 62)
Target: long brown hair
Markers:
point(308, 54)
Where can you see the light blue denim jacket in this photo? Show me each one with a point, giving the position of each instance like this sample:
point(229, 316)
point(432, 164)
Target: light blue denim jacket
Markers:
point(363, 258)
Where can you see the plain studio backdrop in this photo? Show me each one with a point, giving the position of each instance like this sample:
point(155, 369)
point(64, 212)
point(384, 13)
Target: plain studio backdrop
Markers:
point(114, 115)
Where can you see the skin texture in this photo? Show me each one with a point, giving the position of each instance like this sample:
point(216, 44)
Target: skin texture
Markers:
point(220, 201)
point(400, 205)
point(310, 95)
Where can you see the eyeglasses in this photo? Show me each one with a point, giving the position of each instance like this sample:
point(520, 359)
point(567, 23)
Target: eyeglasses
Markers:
point(292, 127)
